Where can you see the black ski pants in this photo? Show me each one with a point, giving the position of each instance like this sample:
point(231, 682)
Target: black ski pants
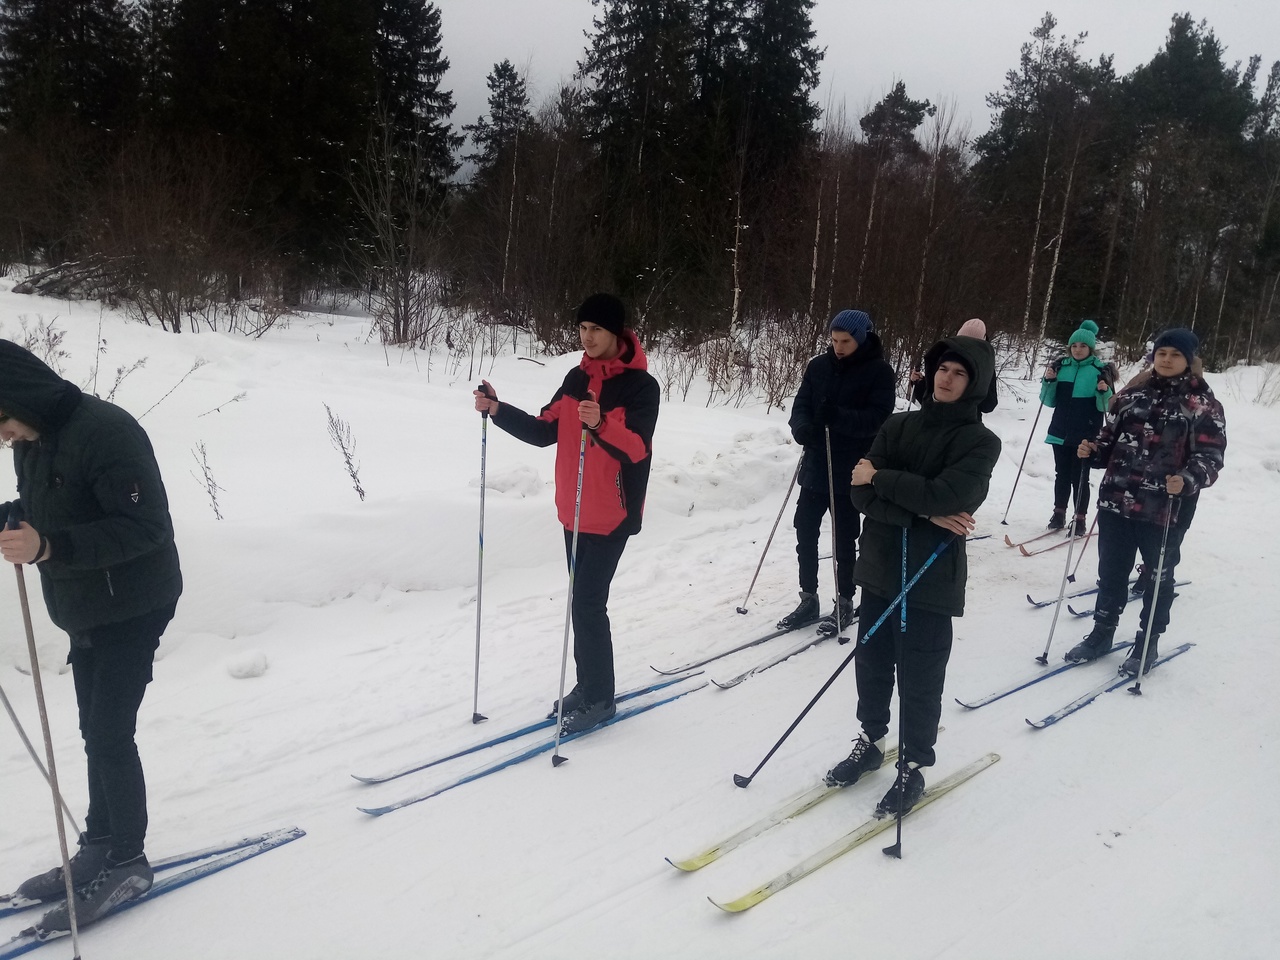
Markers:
point(921, 671)
point(1120, 540)
point(1071, 478)
point(811, 507)
point(597, 561)
point(111, 667)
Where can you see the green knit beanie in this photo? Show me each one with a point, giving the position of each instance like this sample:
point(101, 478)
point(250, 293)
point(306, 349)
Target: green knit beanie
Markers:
point(1087, 334)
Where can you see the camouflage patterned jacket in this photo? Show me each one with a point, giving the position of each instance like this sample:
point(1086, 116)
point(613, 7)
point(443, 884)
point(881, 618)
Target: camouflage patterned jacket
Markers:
point(1167, 425)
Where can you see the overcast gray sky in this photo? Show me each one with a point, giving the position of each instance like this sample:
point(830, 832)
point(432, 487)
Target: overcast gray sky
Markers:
point(941, 48)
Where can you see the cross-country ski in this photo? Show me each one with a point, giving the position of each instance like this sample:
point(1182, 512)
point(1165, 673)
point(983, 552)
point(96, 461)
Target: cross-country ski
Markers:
point(1106, 686)
point(872, 827)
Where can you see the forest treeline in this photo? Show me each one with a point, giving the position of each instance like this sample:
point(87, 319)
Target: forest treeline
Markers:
point(190, 157)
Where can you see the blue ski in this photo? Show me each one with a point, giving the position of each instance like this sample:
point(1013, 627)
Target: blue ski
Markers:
point(1105, 687)
point(1133, 598)
point(512, 759)
point(513, 734)
point(32, 938)
point(1029, 681)
point(12, 903)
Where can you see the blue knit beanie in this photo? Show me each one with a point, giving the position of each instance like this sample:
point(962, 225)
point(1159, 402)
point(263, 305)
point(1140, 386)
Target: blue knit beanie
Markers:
point(1181, 339)
point(856, 323)
point(1087, 334)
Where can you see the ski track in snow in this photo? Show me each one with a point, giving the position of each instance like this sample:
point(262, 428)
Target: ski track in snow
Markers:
point(1139, 828)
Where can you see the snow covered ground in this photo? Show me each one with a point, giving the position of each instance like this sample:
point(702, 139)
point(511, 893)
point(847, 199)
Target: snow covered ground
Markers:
point(321, 636)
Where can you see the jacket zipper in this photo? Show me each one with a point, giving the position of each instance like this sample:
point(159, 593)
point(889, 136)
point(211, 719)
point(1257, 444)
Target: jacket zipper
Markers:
point(110, 588)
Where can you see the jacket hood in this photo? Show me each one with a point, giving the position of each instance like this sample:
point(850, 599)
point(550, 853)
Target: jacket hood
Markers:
point(31, 392)
point(979, 357)
point(631, 358)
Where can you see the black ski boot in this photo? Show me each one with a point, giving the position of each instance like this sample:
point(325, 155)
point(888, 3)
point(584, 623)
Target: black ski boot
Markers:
point(115, 884)
point(1130, 667)
point(588, 715)
point(865, 757)
point(1059, 518)
point(1096, 644)
point(806, 613)
point(85, 865)
point(1081, 525)
point(827, 625)
point(904, 794)
point(572, 701)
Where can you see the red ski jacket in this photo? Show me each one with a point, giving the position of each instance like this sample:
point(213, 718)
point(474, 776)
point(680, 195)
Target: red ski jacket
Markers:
point(618, 455)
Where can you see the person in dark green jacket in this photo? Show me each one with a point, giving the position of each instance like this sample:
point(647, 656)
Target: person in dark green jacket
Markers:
point(93, 516)
point(926, 473)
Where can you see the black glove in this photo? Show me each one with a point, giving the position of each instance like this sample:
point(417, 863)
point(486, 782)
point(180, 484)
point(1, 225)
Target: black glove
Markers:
point(804, 434)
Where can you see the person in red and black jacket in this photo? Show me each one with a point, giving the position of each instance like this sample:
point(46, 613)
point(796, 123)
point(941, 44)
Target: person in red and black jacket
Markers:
point(613, 396)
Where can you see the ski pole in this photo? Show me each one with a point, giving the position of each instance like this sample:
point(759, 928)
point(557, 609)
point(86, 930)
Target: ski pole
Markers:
point(1004, 521)
point(22, 735)
point(795, 476)
point(476, 716)
point(739, 779)
point(1155, 596)
point(1066, 576)
point(556, 759)
point(895, 850)
point(1085, 548)
point(835, 563)
point(48, 749)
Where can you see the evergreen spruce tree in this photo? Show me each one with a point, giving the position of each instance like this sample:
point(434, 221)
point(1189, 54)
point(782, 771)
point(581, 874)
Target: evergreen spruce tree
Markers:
point(508, 116)
point(780, 63)
point(66, 61)
point(409, 66)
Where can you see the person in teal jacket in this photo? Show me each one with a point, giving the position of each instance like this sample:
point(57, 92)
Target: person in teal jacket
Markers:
point(1078, 387)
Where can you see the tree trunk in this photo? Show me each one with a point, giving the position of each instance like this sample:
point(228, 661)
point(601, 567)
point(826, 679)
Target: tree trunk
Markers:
point(1035, 238)
point(1057, 257)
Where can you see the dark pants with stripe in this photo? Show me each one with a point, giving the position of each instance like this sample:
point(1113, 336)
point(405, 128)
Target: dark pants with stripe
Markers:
point(597, 561)
point(922, 670)
point(1120, 540)
point(111, 667)
point(811, 507)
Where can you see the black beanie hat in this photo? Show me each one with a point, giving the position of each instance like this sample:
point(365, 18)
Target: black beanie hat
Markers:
point(959, 358)
point(604, 310)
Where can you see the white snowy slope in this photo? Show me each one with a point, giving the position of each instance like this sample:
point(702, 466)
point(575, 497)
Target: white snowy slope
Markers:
point(321, 636)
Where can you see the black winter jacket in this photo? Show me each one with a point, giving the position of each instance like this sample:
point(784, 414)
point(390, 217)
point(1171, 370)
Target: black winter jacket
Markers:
point(91, 485)
point(853, 396)
point(932, 462)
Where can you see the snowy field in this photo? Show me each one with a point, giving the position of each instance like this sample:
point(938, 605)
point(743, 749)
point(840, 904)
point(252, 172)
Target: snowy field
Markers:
point(321, 636)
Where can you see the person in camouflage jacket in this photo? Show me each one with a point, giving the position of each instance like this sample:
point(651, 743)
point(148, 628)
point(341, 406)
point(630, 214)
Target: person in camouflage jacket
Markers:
point(1162, 443)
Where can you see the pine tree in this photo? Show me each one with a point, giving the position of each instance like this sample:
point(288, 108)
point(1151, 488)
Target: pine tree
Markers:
point(409, 66)
point(508, 116)
point(66, 61)
point(780, 70)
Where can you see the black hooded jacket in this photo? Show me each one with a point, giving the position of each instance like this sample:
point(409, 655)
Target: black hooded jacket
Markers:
point(853, 396)
point(932, 462)
point(91, 485)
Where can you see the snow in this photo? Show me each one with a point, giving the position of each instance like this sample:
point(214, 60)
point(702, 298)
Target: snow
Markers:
point(321, 636)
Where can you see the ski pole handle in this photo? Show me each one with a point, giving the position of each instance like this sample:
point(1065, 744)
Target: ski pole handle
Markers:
point(488, 392)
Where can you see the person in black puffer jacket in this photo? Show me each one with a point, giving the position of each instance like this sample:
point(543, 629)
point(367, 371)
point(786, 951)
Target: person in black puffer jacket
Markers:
point(93, 515)
point(847, 391)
